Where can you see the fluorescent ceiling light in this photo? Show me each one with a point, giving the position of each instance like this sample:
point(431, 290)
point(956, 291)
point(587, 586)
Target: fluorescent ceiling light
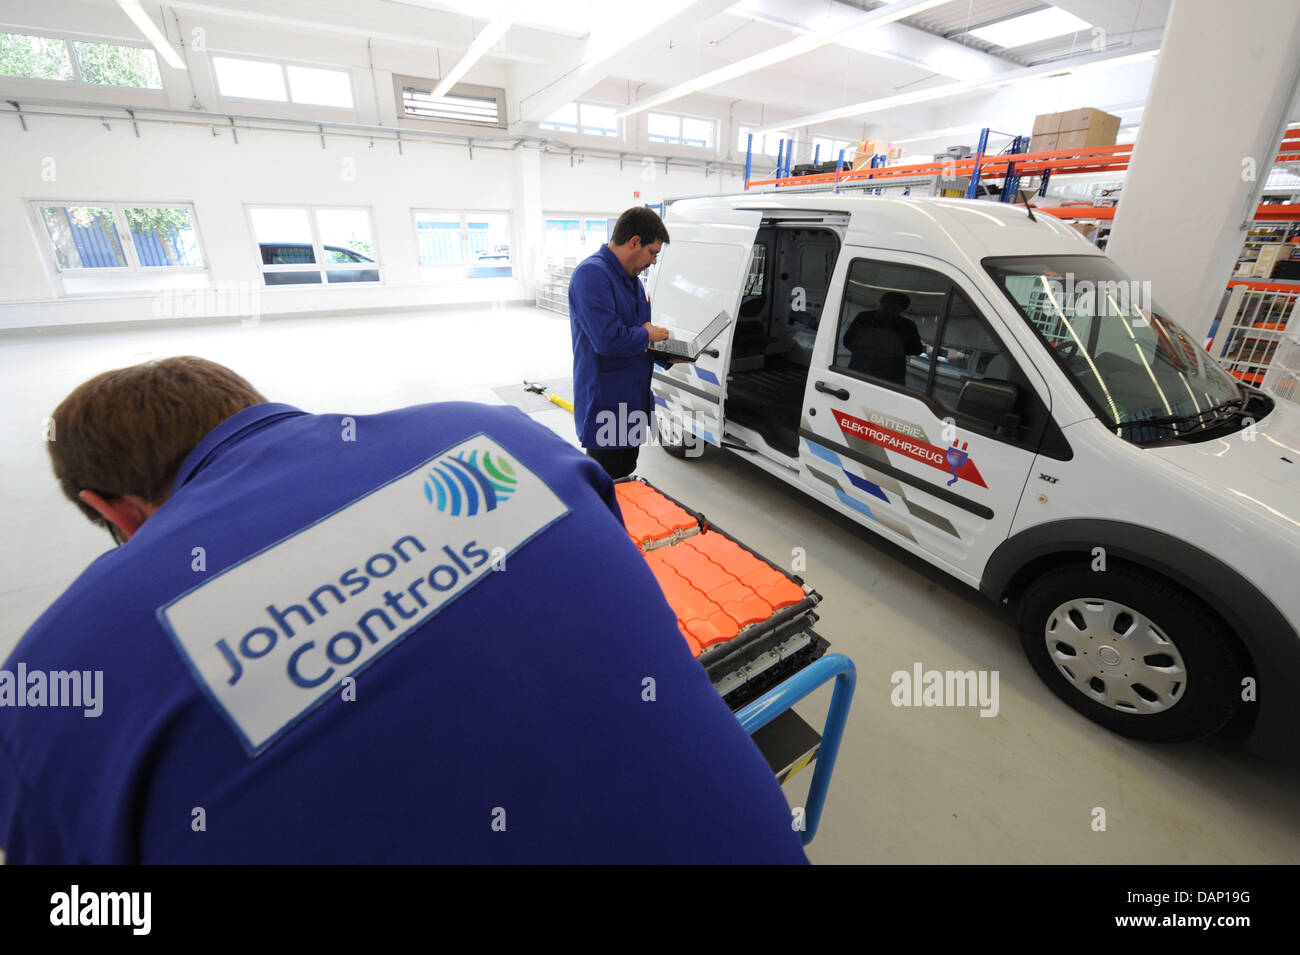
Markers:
point(485, 40)
point(785, 51)
point(1077, 65)
point(151, 33)
point(1030, 28)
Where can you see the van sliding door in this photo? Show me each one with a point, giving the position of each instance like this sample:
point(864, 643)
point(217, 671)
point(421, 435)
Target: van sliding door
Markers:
point(701, 272)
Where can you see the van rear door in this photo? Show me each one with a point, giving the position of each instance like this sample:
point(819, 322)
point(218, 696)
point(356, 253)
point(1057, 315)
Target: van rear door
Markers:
point(701, 272)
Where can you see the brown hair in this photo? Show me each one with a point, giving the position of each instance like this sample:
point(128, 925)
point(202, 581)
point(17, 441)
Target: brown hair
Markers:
point(127, 431)
point(639, 221)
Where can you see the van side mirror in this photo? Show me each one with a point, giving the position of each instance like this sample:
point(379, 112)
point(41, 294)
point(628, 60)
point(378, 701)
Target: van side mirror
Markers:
point(989, 401)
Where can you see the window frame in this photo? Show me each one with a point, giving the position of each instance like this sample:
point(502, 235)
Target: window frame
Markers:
point(318, 248)
point(741, 133)
point(583, 219)
point(284, 65)
point(681, 139)
point(68, 39)
point(1029, 393)
point(124, 237)
point(620, 125)
point(468, 262)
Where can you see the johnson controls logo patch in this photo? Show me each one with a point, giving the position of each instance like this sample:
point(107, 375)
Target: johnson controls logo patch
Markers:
point(465, 485)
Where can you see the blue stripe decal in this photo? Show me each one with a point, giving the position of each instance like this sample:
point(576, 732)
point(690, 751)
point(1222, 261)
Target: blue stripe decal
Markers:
point(706, 435)
point(854, 503)
point(862, 484)
point(824, 453)
point(659, 401)
point(706, 375)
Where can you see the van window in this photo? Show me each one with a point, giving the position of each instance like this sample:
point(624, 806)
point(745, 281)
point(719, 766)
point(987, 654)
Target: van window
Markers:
point(889, 323)
point(967, 349)
point(757, 278)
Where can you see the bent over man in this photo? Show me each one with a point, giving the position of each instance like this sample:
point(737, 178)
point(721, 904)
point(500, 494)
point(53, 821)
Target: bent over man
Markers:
point(358, 638)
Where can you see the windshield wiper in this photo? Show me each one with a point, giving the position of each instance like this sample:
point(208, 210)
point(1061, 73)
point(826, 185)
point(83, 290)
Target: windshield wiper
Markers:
point(1217, 411)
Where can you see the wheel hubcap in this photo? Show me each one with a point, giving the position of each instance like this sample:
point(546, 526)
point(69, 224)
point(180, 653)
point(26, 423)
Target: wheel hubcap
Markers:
point(1115, 655)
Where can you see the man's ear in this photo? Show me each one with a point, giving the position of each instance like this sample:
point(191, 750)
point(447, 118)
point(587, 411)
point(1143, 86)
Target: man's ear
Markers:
point(126, 513)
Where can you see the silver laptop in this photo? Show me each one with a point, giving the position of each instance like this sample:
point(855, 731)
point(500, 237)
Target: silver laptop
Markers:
point(691, 349)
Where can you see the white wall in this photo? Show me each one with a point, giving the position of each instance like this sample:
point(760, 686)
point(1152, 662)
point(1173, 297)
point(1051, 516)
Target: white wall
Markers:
point(219, 176)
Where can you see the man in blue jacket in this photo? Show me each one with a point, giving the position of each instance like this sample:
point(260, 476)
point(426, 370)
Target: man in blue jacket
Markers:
point(609, 316)
point(400, 637)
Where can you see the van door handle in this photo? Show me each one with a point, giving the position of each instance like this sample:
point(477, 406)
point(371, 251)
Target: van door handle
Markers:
point(711, 352)
point(824, 388)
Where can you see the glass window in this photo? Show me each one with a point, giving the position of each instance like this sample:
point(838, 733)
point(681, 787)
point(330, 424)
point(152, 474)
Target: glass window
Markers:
point(1138, 369)
point(478, 242)
point(756, 281)
point(489, 245)
point(889, 322)
point(892, 316)
point(438, 238)
point(106, 64)
point(697, 132)
point(317, 87)
point(664, 128)
point(83, 237)
point(96, 237)
point(34, 57)
point(564, 119)
point(249, 79)
point(164, 236)
point(764, 143)
point(305, 246)
point(346, 240)
point(563, 239)
point(968, 350)
point(597, 233)
point(599, 120)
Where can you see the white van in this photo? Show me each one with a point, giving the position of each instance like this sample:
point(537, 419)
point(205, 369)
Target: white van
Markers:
point(989, 392)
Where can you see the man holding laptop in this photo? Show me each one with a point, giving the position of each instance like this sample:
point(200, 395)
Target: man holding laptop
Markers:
point(609, 317)
point(615, 345)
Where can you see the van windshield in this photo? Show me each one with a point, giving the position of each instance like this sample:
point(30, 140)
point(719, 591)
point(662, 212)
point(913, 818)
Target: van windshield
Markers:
point(1142, 374)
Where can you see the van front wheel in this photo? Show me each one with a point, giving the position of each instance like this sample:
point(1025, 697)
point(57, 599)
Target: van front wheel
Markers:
point(1132, 652)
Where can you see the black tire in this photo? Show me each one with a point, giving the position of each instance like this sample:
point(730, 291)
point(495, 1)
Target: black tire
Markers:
point(678, 442)
point(675, 450)
point(1196, 680)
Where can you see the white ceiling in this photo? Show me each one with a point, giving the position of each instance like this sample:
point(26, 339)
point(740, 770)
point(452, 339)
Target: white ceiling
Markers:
point(559, 50)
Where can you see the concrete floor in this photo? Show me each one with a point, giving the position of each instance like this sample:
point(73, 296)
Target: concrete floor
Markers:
point(913, 785)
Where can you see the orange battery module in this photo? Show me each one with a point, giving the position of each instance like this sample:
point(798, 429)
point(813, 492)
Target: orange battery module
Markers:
point(740, 614)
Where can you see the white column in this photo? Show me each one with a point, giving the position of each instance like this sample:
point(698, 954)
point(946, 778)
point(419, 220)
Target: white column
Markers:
point(1218, 104)
point(526, 205)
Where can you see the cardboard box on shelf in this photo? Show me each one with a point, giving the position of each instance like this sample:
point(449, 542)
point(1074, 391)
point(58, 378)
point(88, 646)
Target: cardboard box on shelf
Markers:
point(1080, 138)
point(1044, 142)
point(1088, 127)
point(1046, 124)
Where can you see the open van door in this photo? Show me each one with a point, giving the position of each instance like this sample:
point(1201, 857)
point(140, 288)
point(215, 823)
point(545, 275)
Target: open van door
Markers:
point(700, 272)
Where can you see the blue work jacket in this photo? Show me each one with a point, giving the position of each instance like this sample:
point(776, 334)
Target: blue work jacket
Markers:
point(309, 642)
point(611, 367)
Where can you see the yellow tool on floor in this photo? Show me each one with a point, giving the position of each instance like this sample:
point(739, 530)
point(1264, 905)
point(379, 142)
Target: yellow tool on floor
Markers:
point(550, 396)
